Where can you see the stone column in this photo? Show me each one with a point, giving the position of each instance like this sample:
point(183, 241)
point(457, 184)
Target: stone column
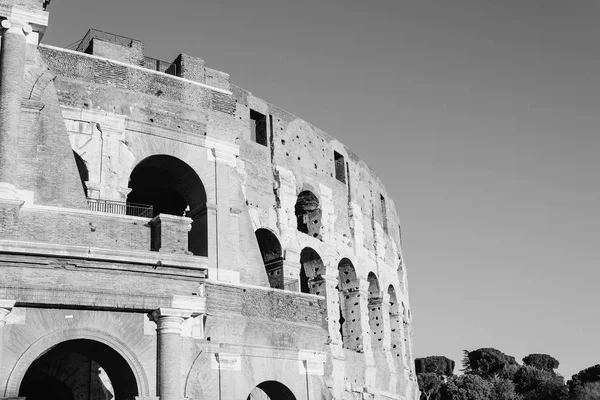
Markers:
point(6, 307)
point(12, 70)
point(168, 328)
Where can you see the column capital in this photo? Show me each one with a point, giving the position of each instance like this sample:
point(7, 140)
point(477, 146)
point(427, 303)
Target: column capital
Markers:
point(16, 26)
point(165, 312)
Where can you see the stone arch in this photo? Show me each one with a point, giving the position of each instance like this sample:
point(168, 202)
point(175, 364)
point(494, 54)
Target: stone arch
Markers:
point(272, 255)
point(172, 187)
point(46, 343)
point(308, 214)
point(311, 269)
point(349, 303)
point(41, 83)
point(84, 174)
point(395, 324)
point(271, 390)
point(376, 323)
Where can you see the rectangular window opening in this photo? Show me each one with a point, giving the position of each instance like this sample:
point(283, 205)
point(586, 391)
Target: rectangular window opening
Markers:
point(384, 221)
point(258, 127)
point(340, 167)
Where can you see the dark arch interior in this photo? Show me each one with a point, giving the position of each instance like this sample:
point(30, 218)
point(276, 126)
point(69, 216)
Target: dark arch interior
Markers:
point(347, 282)
point(84, 174)
point(272, 255)
point(79, 370)
point(172, 187)
point(311, 269)
point(374, 292)
point(347, 279)
point(273, 390)
point(308, 214)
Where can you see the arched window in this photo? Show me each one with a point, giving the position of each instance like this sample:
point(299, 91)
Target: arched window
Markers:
point(84, 174)
point(271, 390)
point(375, 312)
point(79, 369)
point(172, 187)
point(272, 255)
point(395, 324)
point(310, 272)
point(308, 214)
point(350, 316)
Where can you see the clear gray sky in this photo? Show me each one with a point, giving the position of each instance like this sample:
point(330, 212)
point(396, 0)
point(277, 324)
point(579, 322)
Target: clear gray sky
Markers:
point(482, 117)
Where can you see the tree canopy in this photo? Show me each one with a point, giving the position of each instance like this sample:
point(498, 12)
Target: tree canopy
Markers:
point(436, 364)
point(486, 362)
point(489, 374)
point(541, 361)
point(467, 387)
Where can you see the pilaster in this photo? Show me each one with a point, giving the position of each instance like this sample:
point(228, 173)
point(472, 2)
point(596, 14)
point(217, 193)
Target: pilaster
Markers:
point(12, 70)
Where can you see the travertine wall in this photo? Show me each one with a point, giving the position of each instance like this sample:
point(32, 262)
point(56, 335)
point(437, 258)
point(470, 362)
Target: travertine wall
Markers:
point(236, 329)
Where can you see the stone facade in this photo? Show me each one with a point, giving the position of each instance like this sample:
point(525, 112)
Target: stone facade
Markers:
point(167, 234)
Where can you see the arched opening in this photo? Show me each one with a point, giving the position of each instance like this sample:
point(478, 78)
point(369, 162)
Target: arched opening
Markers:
point(171, 187)
point(311, 269)
point(395, 325)
point(308, 214)
point(271, 390)
point(84, 174)
point(375, 313)
point(79, 369)
point(272, 255)
point(349, 295)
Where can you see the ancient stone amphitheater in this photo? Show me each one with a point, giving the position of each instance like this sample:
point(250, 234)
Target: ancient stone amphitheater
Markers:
point(167, 234)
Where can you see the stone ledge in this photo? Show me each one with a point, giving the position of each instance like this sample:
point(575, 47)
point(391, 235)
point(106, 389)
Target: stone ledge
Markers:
point(88, 300)
point(99, 254)
point(259, 351)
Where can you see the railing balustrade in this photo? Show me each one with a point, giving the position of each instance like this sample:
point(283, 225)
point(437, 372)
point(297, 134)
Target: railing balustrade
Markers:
point(121, 208)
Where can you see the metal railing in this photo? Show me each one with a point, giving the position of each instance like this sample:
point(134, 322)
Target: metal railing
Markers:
point(82, 45)
point(121, 208)
point(148, 62)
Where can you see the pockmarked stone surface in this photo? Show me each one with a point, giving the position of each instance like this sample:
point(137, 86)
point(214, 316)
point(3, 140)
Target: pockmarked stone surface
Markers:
point(167, 234)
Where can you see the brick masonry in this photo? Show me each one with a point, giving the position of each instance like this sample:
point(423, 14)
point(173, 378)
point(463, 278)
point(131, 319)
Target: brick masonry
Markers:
point(114, 113)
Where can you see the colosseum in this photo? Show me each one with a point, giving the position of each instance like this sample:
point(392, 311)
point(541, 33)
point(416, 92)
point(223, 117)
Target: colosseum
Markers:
point(167, 234)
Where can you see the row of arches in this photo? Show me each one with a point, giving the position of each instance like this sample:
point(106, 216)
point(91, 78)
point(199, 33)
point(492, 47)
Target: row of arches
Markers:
point(168, 185)
point(84, 369)
point(384, 318)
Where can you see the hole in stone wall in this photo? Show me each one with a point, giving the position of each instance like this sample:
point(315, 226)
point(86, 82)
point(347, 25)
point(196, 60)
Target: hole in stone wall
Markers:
point(340, 167)
point(384, 222)
point(258, 127)
point(308, 214)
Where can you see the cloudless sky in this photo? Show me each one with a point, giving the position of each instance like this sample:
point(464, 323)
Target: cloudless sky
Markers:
point(481, 117)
